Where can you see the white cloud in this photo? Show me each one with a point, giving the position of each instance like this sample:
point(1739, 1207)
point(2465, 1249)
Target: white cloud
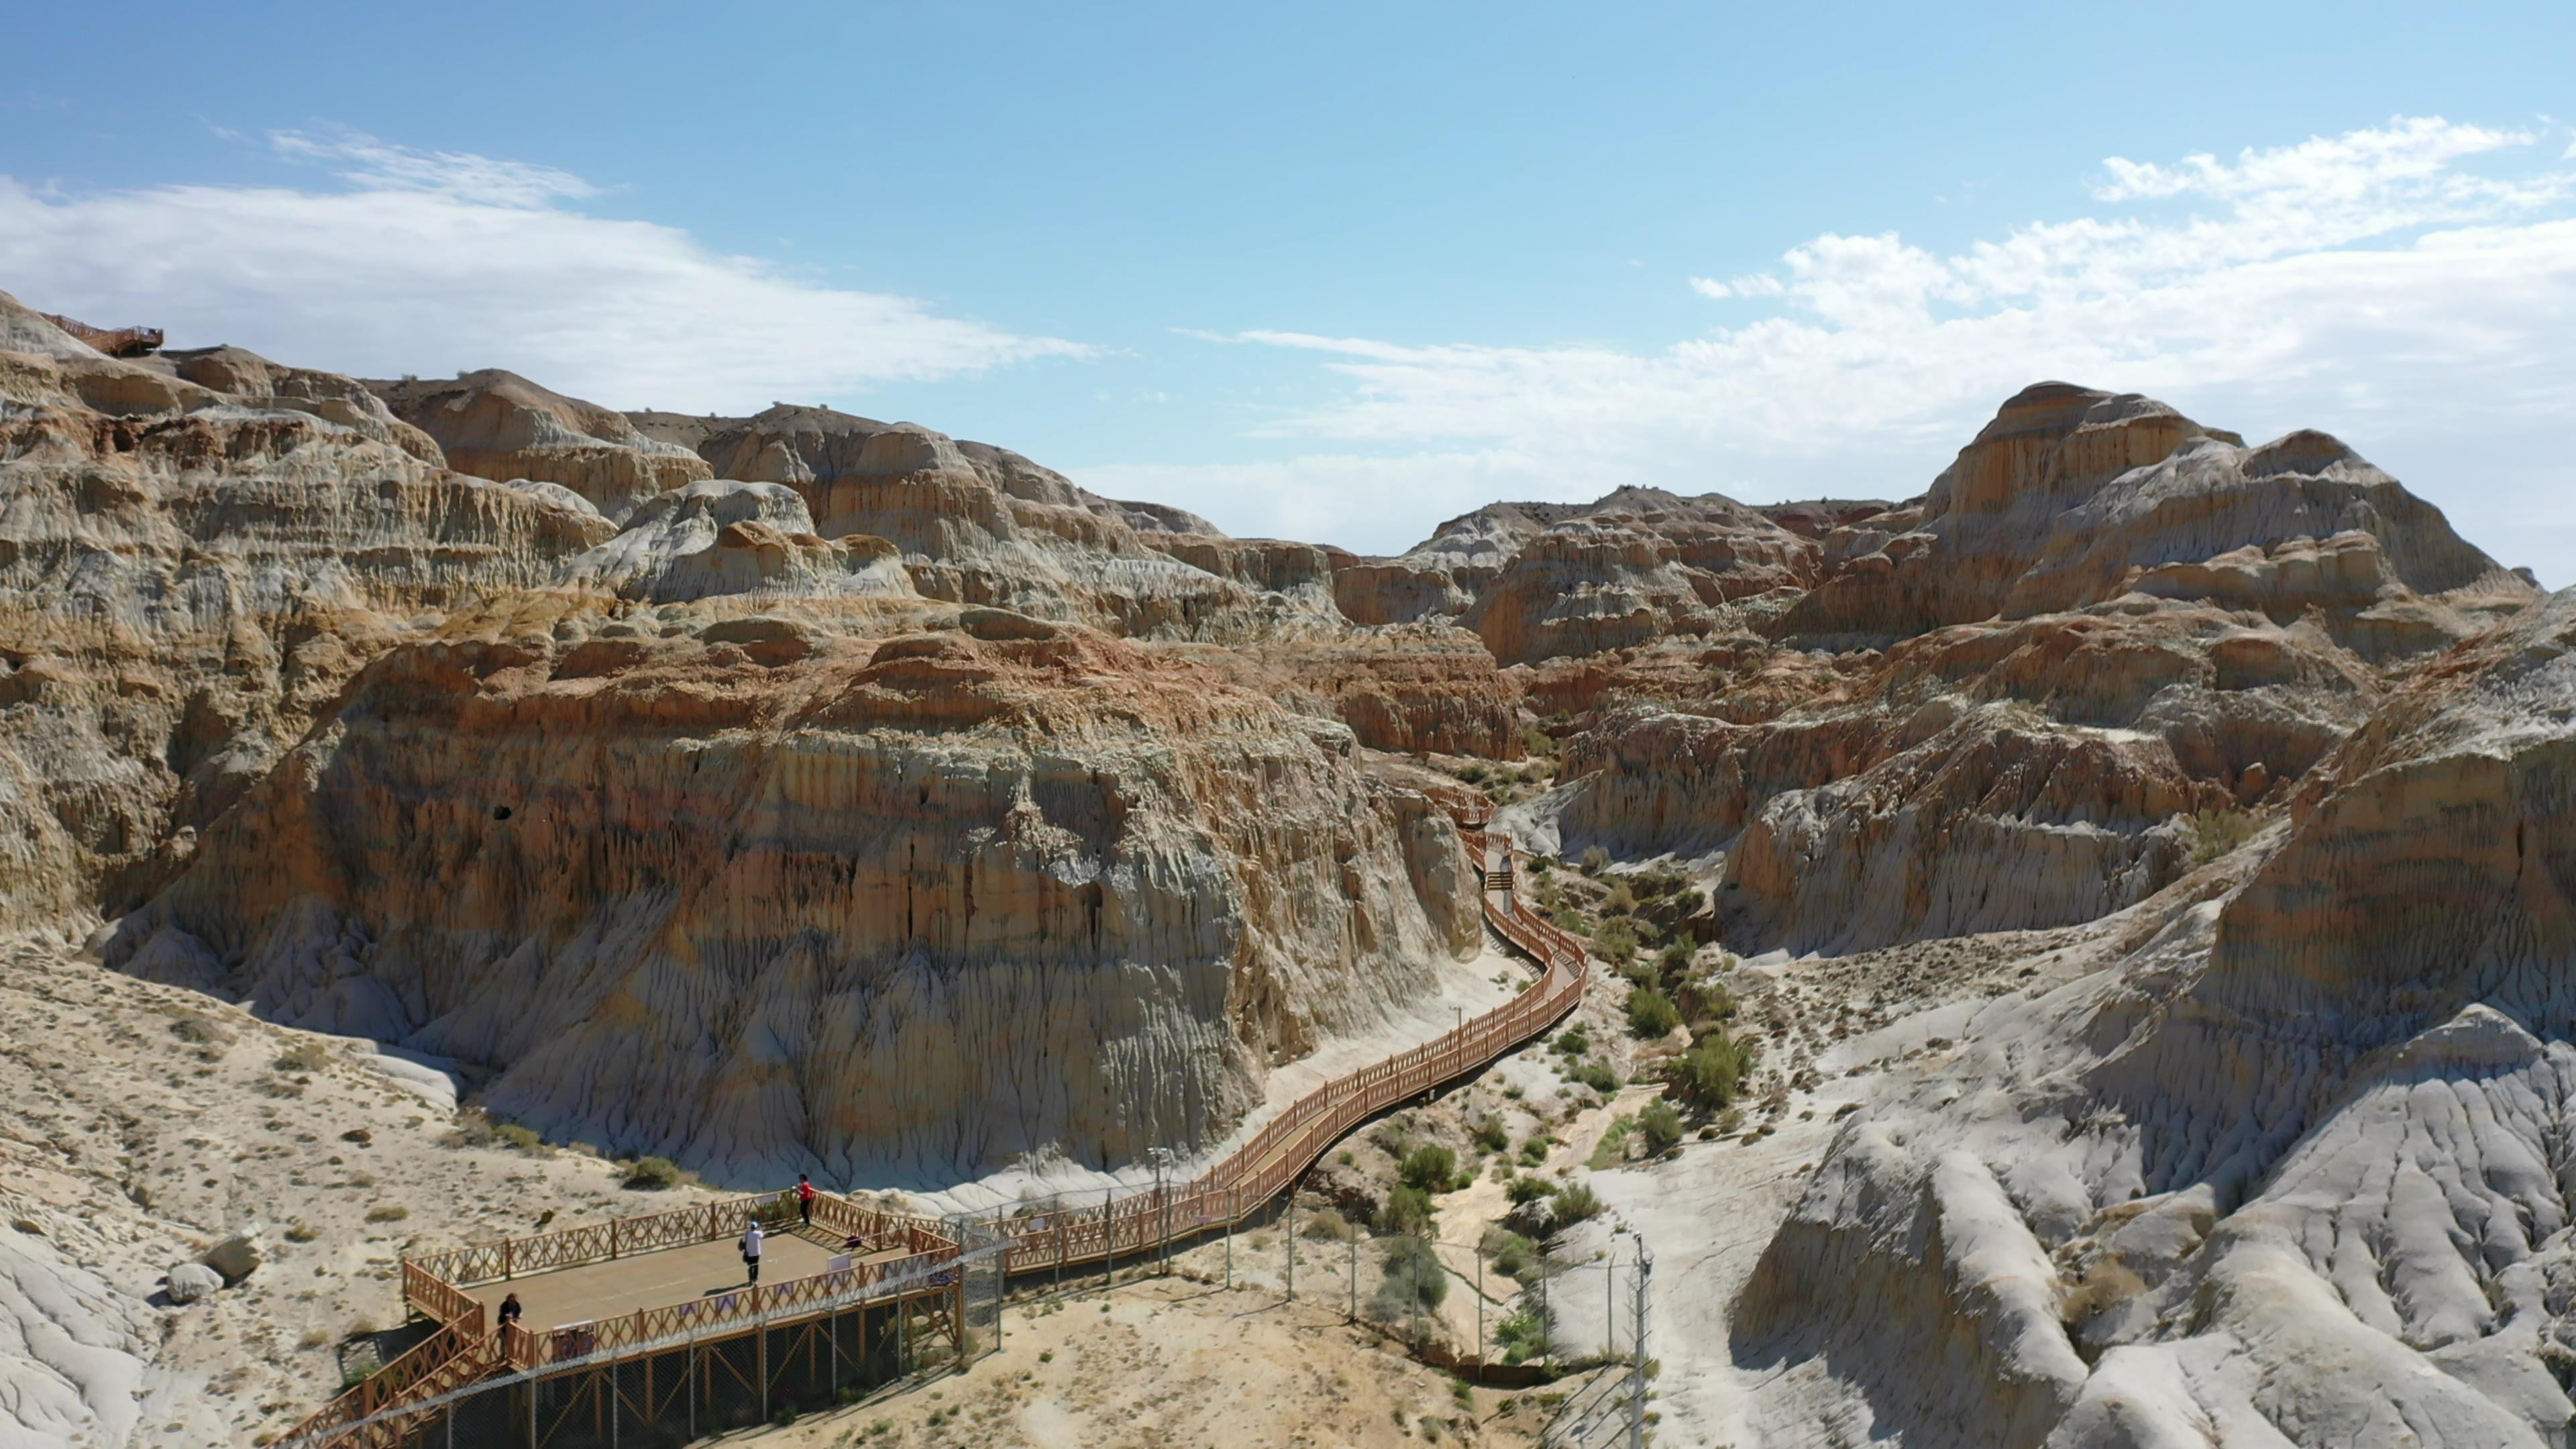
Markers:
point(2365, 283)
point(432, 261)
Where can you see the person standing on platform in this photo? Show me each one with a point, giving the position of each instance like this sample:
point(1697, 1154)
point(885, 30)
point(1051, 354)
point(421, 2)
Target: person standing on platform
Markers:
point(751, 1252)
point(805, 1197)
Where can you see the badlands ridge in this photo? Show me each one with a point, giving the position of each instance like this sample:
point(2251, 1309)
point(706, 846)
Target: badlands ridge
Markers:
point(802, 792)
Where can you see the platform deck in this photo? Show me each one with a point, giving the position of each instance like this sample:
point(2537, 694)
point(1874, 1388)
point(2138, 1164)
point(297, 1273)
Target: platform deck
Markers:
point(647, 1280)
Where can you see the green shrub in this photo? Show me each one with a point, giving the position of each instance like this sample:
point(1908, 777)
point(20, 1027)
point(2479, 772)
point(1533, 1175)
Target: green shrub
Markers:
point(1471, 773)
point(1429, 1167)
point(1525, 1189)
point(1511, 1254)
point(389, 1212)
point(652, 1174)
point(1522, 1335)
point(1407, 1210)
point(1615, 941)
point(1661, 1124)
point(1597, 1075)
point(1705, 1000)
point(2213, 833)
point(1651, 1014)
point(517, 1138)
point(1534, 1151)
point(1712, 1072)
point(1621, 901)
point(1413, 1277)
point(1572, 1041)
point(1576, 1202)
point(1491, 1135)
point(1596, 860)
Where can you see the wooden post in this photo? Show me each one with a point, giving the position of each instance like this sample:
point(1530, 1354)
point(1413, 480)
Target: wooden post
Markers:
point(1480, 1315)
point(760, 1352)
point(1355, 1275)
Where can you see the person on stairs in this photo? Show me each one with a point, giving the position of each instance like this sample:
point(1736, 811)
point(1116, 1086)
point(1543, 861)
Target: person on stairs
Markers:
point(751, 1252)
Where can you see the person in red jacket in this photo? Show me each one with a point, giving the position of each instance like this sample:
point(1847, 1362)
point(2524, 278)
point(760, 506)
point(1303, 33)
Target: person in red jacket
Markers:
point(805, 1198)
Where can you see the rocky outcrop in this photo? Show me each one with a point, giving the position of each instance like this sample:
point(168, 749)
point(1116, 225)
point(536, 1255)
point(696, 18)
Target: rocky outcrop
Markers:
point(499, 425)
point(188, 576)
point(975, 524)
point(836, 891)
point(2309, 1108)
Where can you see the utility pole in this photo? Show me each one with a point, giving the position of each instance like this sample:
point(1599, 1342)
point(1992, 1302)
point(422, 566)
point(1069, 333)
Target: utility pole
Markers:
point(1546, 1333)
point(1355, 1272)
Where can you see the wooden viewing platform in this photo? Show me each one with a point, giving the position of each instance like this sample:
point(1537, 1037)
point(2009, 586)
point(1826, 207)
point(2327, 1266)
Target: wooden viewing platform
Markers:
point(665, 1293)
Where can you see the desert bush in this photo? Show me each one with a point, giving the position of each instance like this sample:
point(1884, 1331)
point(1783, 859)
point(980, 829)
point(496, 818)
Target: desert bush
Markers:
point(1615, 941)
point(652, 1174)
point(304, 1056)
point(1326, 1226)
point(388, 1212)
point(1511, 1254)
point(1491, 1135)
point(1598, 1075)
point(1596, 860)
point(2213, 833)
point(1712, 1072)
point(1661, 1125)
point(1413, 1277)
point(1406, 1210)
point(1576, 1202)
point(1429, 1167)
point(1651, 1014)
point(1471, 773)
point(2107, 1284)
point(517, 1138)
point(1522, 1335)
point(1619, 901)
point(1573, 1042)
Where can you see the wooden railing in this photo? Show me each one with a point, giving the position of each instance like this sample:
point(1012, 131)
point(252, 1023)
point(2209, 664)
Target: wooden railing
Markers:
point(1247, 1178)
point(594, 1243)
point(360, 1419)
point(719, 1315)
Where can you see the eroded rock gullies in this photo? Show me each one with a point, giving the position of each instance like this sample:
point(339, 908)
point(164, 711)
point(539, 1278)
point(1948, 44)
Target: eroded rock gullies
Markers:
point(763, 891)
point(2287, 1164)
point(188, 576)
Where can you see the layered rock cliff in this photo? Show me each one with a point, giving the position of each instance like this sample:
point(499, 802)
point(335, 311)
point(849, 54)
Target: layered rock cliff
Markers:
point(2305, 1115)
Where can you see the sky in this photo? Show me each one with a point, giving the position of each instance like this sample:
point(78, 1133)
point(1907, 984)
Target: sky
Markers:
point(1341, 272)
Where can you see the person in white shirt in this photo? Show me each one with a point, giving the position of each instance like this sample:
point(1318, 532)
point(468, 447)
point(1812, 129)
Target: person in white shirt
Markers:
point(751, 1251)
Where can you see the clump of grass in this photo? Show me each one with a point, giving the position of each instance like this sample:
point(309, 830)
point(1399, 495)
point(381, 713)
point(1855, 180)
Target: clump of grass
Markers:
point(1598, 1075)
point(1326, 1226)
point(1652, 1014)
point(1576, 1202)
point(301, 1233)
point(517, 1138)
point(652, 1174)
point(2213, 833)
point(1661, 1125)
point(1413, 1276)
point(304, 1056)
point(388, 1212)
point(1596, 860)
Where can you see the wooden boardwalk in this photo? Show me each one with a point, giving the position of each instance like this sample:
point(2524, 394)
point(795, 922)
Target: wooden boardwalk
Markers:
point(636, 1285)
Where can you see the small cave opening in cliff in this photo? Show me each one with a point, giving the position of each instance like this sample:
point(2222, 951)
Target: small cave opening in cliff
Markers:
point(1091, 901)
point(500, 812)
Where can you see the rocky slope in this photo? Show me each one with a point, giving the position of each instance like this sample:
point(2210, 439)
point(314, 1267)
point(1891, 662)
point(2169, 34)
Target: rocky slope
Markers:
point(2287, 1163)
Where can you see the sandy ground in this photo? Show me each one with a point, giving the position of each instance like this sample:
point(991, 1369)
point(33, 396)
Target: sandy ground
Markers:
point(144, 1122)
point(1171, 1361)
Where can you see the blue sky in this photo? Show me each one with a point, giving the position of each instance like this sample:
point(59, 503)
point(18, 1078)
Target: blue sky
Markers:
point(1341, 272)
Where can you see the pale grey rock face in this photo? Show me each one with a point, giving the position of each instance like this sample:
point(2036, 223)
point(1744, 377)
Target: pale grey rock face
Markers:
point(2304, 1132)
point(192, 1281)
